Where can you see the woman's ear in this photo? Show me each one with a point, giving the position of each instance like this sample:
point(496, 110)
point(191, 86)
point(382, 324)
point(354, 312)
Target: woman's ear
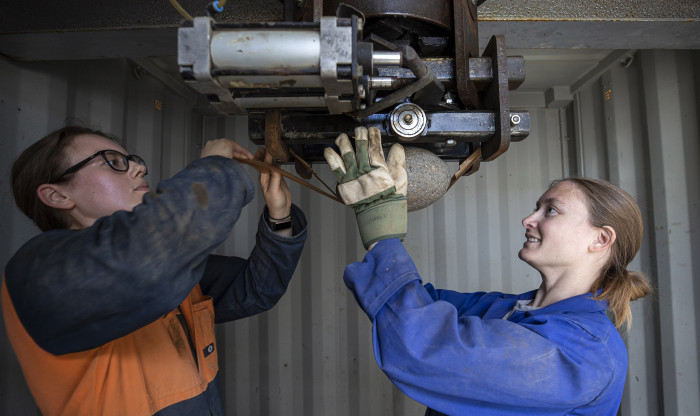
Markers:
point(605, 238)
point(52, 196)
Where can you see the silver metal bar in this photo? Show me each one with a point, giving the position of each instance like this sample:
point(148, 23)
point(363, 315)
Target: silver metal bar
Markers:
point(461, 127)
point(382, 83)
point(480, 70)
point(386, 58)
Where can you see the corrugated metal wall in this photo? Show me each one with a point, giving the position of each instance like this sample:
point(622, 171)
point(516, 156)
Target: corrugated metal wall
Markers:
point(638, 127)
point(311, 355)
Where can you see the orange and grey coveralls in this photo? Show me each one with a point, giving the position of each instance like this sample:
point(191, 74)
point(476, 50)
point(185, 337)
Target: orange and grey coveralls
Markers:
point(118, 318)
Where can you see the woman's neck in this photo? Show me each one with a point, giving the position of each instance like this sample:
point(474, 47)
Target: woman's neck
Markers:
point(563, 286)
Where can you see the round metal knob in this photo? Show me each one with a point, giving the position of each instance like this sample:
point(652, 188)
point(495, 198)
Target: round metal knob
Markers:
point(407, 121)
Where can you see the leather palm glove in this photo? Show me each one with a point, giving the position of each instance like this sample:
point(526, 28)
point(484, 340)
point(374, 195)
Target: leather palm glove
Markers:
point(374, 187)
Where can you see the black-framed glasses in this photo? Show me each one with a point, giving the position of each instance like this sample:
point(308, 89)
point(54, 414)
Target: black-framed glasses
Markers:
point(114, 159)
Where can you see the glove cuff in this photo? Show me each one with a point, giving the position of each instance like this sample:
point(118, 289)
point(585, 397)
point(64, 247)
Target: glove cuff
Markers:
point(383, 221)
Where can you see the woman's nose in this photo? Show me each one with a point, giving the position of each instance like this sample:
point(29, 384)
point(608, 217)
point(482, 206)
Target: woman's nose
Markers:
point(529, 221)
point(137, 169)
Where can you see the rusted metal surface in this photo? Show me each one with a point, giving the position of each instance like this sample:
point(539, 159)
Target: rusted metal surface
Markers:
point(466, 46)
point(589, 10)
point(71, 15)
point(496, 99)
point(71, 29)
point(49, 15)
point(276, 147)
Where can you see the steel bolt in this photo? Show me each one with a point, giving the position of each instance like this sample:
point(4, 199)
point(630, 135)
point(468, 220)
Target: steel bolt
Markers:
point(450, 142)
point(449, 98)
point(408, 119)
point(514, 119)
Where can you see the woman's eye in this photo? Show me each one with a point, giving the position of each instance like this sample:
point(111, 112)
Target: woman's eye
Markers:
point(116, 162)
point(551, 210)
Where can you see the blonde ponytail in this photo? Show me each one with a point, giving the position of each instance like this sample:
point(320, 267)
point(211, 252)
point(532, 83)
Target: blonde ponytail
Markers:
point(608, 205)
point(619, 289)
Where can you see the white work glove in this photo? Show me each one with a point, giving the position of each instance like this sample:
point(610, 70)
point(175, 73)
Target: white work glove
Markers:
point(375, 188)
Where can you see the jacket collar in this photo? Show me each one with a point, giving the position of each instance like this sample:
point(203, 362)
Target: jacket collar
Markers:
point(580, 303)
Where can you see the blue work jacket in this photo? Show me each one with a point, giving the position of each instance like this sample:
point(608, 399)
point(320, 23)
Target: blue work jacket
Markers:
point(454, 353)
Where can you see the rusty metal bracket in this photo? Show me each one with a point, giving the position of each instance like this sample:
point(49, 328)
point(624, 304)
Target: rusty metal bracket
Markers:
point(466, 46)
point(273, 138)
point(496, 99)
point(282, 153)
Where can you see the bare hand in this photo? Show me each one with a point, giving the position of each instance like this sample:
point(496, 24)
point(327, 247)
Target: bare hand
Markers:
point(275, 191)
point(225, 148)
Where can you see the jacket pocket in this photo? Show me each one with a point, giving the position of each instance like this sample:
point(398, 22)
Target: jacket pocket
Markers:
point(203, 318)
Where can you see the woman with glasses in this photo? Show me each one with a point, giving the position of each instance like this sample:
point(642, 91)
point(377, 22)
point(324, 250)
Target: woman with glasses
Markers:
point(111, 309)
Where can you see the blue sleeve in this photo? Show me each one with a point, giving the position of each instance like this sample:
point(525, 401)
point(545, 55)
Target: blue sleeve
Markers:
point(75, 290)
point(245, 287)
point(459, 364)
point(466, 303)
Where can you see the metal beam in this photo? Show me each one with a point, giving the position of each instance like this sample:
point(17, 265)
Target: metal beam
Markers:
point(76, 29)
point(596, 34)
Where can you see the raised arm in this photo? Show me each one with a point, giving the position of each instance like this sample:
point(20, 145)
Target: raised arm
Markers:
point(75, 290)
point(458, 363)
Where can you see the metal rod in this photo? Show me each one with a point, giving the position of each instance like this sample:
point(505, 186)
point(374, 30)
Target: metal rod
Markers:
point(385, 58)
point(382, 83)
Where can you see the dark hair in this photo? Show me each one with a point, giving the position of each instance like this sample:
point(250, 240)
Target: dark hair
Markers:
point(43, 162)
point(609, 205)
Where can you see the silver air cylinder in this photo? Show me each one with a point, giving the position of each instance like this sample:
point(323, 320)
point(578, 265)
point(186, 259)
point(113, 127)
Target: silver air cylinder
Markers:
point(269, 66)
point(266, 50)
point(268, 59)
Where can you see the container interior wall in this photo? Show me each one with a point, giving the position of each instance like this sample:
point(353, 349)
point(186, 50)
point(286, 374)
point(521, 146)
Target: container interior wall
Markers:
point(636, 126)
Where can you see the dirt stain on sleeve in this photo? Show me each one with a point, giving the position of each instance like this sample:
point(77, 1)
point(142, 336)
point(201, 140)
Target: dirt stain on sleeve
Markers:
point(200, 194)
